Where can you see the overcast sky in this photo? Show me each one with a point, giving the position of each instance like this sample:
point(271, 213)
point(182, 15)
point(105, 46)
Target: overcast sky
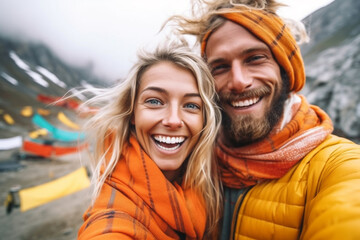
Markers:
point(104, 32)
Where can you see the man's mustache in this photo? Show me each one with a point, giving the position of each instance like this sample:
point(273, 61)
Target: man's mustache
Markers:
point(253, 93)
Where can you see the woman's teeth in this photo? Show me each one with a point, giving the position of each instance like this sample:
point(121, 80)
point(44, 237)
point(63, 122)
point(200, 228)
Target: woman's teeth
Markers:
point(168, 148)
point(169, 140)
point(168, 143)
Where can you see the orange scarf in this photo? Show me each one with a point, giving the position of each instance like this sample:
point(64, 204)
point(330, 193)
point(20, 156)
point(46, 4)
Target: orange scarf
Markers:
point(271, 30)
point(306, 127)
point(138, 202)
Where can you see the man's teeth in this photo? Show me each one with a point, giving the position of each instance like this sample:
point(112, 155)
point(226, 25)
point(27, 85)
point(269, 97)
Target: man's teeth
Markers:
point(245, 103)
point(169, 140)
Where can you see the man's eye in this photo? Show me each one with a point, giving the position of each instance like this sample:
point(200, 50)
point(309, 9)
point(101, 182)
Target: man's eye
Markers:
point(255, 58)
point(218, 69)
point(153, 101)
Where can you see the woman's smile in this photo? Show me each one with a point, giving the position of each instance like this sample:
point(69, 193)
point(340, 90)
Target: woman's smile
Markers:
point(168, 143)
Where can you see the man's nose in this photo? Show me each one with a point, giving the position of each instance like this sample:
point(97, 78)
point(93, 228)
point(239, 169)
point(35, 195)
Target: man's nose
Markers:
point(240, 80)
point(172, 119)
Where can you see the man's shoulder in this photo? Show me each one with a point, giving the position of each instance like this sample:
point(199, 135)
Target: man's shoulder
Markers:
point(335, 143)
point(339, 139)
point(333, 153)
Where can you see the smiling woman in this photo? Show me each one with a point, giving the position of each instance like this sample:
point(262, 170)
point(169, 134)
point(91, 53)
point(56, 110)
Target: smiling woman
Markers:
point(168, 116)
point(154, 172)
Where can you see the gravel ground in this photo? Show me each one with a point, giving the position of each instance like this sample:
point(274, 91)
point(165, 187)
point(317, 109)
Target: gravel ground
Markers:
point(57, 220)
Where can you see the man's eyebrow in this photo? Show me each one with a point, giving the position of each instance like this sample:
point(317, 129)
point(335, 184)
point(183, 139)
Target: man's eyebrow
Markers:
point(215, 61)
point(257, 49)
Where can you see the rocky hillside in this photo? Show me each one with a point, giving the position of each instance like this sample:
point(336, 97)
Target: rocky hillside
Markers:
point(332, 61)
point(27, 70)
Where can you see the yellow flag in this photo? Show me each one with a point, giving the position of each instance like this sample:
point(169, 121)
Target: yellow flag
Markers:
point(45, 193)
point(27, 111)
point(64, 119)
point(8, 119)
point(38, 133)
point(43, 112)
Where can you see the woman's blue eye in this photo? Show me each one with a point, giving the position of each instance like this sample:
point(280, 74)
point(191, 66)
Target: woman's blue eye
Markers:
point(153, 101)
point(192, 106)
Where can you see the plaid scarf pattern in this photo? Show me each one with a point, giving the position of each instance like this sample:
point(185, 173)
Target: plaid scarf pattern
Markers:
point(273, 31)
point(271, 158)
point(138, 202)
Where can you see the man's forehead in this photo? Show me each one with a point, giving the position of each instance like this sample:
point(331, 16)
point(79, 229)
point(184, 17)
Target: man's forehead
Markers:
point(231, 34)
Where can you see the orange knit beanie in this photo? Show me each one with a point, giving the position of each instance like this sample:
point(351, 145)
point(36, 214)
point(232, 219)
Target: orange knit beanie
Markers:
point(272, 30)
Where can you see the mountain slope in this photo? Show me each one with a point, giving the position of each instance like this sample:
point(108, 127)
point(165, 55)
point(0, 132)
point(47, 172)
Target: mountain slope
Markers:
point(332, 61)
point(27, 70)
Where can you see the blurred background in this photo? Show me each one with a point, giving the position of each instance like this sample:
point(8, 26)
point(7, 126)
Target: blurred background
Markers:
point(48, 48)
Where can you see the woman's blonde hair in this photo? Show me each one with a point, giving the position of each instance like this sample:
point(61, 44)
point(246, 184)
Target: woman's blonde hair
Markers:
point(205, 17)
point(116, 107)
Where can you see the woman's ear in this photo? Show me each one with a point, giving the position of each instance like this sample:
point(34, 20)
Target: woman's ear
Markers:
point(132, 120)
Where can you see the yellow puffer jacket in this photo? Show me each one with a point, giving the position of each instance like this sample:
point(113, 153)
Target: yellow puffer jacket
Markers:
point(319, 198)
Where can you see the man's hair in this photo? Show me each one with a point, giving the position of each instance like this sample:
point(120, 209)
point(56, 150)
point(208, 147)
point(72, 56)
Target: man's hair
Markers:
point(117, 108)
point(260, 19)
point(205, 16)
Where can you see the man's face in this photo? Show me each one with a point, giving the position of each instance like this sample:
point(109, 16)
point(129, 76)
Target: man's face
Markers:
point(248, 81)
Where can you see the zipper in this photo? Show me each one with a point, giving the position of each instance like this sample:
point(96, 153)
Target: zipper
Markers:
point(236, 210)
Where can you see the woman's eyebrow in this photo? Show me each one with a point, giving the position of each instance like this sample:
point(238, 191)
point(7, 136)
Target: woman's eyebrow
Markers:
point(192, 95)
point(163, 91)
point(157, 89)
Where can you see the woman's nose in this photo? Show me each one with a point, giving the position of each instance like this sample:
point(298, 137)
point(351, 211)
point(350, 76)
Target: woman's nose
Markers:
point(172, 118)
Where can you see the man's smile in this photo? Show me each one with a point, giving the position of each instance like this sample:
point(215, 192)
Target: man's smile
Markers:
point(245, 103)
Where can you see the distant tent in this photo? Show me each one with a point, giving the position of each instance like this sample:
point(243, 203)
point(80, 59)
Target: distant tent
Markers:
point(38, 133)
point(27, 111)
point(43, 112)
point(49, 149)
point(57, 134)
point(8, 119)
point(64, 119)
point(58, 101)
point(30, 198)
point(10, 143)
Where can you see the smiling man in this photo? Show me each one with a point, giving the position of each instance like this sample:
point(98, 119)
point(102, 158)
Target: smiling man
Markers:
point(248, 81)
point(285, 175)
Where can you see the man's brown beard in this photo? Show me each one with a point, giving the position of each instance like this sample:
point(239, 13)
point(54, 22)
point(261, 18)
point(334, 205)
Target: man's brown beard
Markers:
point(245, 129)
